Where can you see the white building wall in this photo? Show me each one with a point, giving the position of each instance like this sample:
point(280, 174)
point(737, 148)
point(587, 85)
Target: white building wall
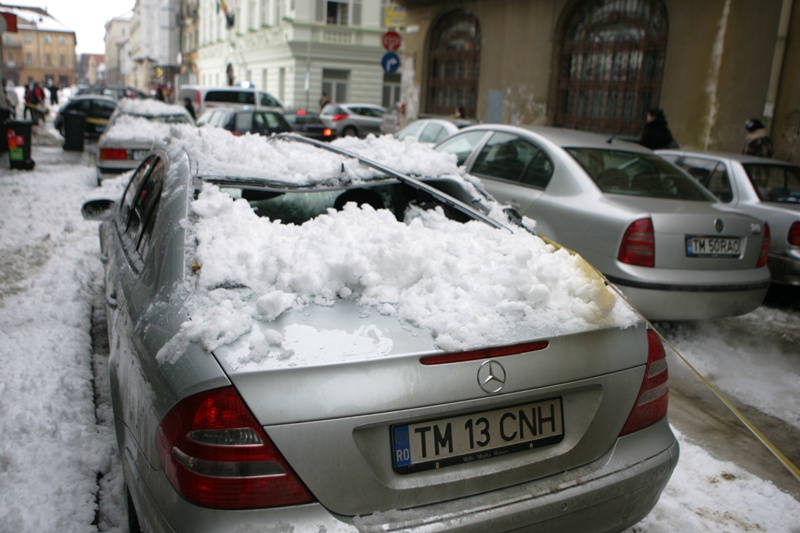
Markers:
point(286, 42)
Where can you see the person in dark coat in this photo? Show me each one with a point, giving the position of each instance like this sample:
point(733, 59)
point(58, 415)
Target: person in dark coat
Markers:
point(656, 134)
point(187, 103)
point(757, 141)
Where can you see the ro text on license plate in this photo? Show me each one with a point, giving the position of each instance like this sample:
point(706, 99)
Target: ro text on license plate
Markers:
point(700, 246)
point(462, 439)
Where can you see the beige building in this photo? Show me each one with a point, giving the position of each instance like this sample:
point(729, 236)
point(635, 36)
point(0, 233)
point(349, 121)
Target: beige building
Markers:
point(42, 49)
point(599, 64)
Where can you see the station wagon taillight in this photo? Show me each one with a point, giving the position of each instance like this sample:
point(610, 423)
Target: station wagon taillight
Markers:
point(638, 244)
point(653, 399)
point(763, 257)
point(794, 234)
point(113, 153)
point(339, 116)
point(216, 455)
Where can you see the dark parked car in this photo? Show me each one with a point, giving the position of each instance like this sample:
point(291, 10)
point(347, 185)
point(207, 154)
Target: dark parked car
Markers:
point(305, 339)
point(308, 124)
point(95, 108)
point(247, 120)
point(114, 91)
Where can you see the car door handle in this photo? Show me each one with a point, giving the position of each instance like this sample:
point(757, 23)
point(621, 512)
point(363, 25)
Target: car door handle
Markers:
point(111, 299)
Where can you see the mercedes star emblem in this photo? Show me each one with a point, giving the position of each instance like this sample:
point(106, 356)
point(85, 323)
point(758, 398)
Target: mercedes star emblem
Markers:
point(491, 376)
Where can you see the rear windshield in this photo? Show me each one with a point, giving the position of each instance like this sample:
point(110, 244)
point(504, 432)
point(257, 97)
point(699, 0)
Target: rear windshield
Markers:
point(775, 183)
point(299, 206)
point(638, 174)
point(232, 97)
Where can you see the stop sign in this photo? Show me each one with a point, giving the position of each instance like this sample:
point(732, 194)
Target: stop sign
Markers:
point(391, 40)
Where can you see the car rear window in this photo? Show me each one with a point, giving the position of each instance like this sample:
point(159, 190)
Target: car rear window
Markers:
point(775, 183)
point(231, 97)
point(638, 174)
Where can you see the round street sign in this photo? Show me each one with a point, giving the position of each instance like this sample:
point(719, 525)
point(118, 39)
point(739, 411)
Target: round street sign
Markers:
point(390, 62)
point(391, 40)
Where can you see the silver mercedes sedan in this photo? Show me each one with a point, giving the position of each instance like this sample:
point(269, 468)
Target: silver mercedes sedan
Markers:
point(352, 337)
point(673, 249)
point(765, 188)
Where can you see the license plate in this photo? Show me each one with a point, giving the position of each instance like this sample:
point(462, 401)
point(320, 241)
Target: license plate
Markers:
point(463, 439)
point(699, 246)
point(139, 154)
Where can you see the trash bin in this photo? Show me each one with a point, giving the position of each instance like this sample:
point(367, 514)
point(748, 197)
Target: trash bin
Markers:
point(18, 135)
point(5, 116)
point(74, 130)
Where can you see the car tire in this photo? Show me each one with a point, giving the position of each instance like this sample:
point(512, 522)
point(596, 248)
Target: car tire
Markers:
point(133, 518)
point(350, 131)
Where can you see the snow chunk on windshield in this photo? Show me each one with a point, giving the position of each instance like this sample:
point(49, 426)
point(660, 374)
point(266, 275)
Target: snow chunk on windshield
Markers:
point(468, 284)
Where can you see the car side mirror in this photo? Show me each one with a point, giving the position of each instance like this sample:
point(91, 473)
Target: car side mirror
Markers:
point(100, 209)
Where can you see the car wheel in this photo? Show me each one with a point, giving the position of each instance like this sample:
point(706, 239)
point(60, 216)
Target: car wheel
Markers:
point(133, 518)
point(350, 131)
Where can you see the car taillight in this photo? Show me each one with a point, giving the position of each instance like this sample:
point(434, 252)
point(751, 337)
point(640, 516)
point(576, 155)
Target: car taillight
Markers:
point(113, 153)
point(794, 234)
point(216, 455)
point(327, 132)
point(638, 244)
point(763, 257)
point(653, 400)
point(339, 116)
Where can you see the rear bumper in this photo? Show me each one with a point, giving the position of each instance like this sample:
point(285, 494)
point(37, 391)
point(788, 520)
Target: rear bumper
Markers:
point(610, 494)
point(785, 270)
point(658, 301)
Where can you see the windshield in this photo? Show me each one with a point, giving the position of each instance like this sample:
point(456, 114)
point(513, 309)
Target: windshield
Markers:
point(638, 174)
point(775, 183)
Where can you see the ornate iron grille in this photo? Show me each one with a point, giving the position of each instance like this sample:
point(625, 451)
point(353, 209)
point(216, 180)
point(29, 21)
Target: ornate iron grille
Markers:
point(611, 66)
point(454, 55)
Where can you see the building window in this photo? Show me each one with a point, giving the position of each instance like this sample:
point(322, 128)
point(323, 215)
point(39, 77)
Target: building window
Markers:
point(454, 53)
point(335, 84)
point(62, 61)
point(611, 66)
point(28, 38)
point(391, 90)
point(62, 40)
point(48, 39)
point(28, 59)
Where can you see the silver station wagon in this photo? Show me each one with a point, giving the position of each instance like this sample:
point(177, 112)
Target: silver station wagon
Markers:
point(673, 249)
point(352, 337)
point(766, 188)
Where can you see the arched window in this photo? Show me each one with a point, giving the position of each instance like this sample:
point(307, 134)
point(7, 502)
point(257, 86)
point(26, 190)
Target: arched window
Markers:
point(611, 66)
point(454, 57)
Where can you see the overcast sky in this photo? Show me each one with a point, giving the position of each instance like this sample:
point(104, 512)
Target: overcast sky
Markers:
point(87, 18)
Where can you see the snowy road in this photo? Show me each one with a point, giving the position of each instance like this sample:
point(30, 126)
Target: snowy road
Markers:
point(59, 471)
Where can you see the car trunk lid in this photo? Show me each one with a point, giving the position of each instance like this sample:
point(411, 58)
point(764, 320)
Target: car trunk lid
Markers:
point(337, 400)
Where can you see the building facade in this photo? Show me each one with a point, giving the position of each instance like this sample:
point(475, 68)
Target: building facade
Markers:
point(117, 46)
point(297, 49)
point(599, 64)
point(41, 50)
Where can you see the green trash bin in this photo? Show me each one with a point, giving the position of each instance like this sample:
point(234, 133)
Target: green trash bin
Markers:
point(18, 135)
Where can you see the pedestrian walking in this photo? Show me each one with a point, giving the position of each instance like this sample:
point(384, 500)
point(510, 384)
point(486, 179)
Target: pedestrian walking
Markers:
point(656, 133)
